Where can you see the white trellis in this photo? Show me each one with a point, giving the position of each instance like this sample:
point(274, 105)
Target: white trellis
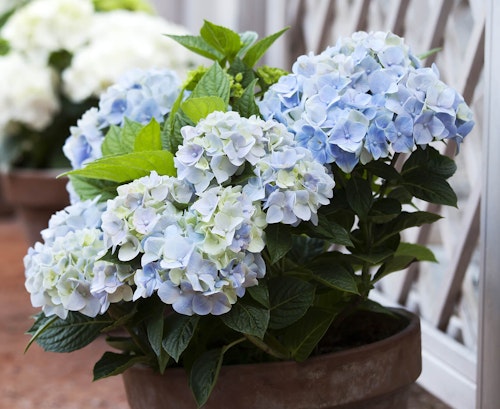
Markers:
point(459, 308)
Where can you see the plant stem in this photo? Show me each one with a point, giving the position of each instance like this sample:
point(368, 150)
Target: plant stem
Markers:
point(265, 347)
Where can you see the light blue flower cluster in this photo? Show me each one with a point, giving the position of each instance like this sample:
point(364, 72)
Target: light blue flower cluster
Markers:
point(364, 98)
point(199, 257)
point(286, 177)
point(199, 236)
point(65, 274)
point(140, 95)
point(195, 239)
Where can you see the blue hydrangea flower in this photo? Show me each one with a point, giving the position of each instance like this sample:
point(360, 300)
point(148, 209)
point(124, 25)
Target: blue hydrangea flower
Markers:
point(365, 98)
point(65, 273)
point(140, 95)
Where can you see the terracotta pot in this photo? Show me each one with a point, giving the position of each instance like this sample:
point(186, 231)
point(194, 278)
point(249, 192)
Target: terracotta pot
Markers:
point(373, 376)
point(35, 195)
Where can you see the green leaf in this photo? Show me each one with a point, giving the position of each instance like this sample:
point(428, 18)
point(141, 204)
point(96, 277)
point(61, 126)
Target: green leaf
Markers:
point(289, 299)
point(112, 364)
point(430, 187)
point(154, 331)
point(57, 335)
point(303, 336)
point(413, 219)
point(172, 137)
point(124, 168)
point(359, 196)
point(204, 374)
point(121, 140)
point(425, 173)
point(260, 293)
point(87, 188)
point(279, 241)
point(429, 159)
point(224, 40)
point(179, 330)
point(198, 45)
point(257, 50)
point(214, 83)
point(246, 104)
point(328, 230)
point(123, 344)
point(339, 278)
point(148, 138)
point(403, 221)
point(198, 108)
point(247, 319)
point(406, 254)
point(383, 170)
point(384, 210)
point(417, 251)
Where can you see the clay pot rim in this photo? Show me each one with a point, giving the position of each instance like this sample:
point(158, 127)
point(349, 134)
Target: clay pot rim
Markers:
point(345, 355)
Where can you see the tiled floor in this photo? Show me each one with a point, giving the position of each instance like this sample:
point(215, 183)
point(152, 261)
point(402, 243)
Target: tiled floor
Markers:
point(42, 380)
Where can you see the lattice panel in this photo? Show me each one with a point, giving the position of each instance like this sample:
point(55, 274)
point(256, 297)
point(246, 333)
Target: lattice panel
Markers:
point(445, 294)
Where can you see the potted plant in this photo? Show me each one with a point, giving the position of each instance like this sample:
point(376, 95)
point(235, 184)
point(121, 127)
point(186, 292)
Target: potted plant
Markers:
point(242, 228)
point(56, 58)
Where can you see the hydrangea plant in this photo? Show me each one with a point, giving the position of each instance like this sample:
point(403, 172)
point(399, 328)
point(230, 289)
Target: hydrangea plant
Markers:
point(58, 56)
point(244, 214)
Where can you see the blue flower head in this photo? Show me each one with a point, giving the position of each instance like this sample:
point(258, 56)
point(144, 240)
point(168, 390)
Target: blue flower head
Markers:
point(139, 95)
point(367, 95)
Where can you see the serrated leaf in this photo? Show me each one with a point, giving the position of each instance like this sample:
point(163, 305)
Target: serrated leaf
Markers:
point(87, 188)
point(359, 196)
point(179, 329)
point(223, 39)
point(124, 168)
point(303, 336)
point(247, 319)
point(384, 210)
point(57, 335)
point(329, 230)
point(204, 374)
point(383, 170)
point(430, 188)
point(120, 140)
point(260, 293)
point(112, 364)
point(430, 160)
point(214, 83)
point(148, 138)
point(278, 240)
point(406, 254)
point(419, 252)
point(201, 107)
point(289, 299)
point(339, 278)
point(414, 219)
point(246, 105)
point(198, 45)
point(154, 331)
point(256, 51)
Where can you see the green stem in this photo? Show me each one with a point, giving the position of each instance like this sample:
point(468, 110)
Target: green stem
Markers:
point(232, 344)
point(265, 347)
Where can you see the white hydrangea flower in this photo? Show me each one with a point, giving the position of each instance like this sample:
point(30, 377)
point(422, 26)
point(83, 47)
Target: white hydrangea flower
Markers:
point(59, 274)
point(119, 41)
point(44, 26)
point(65, 273)
point(220, 145)
point(142, 207)
point(28, 94)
